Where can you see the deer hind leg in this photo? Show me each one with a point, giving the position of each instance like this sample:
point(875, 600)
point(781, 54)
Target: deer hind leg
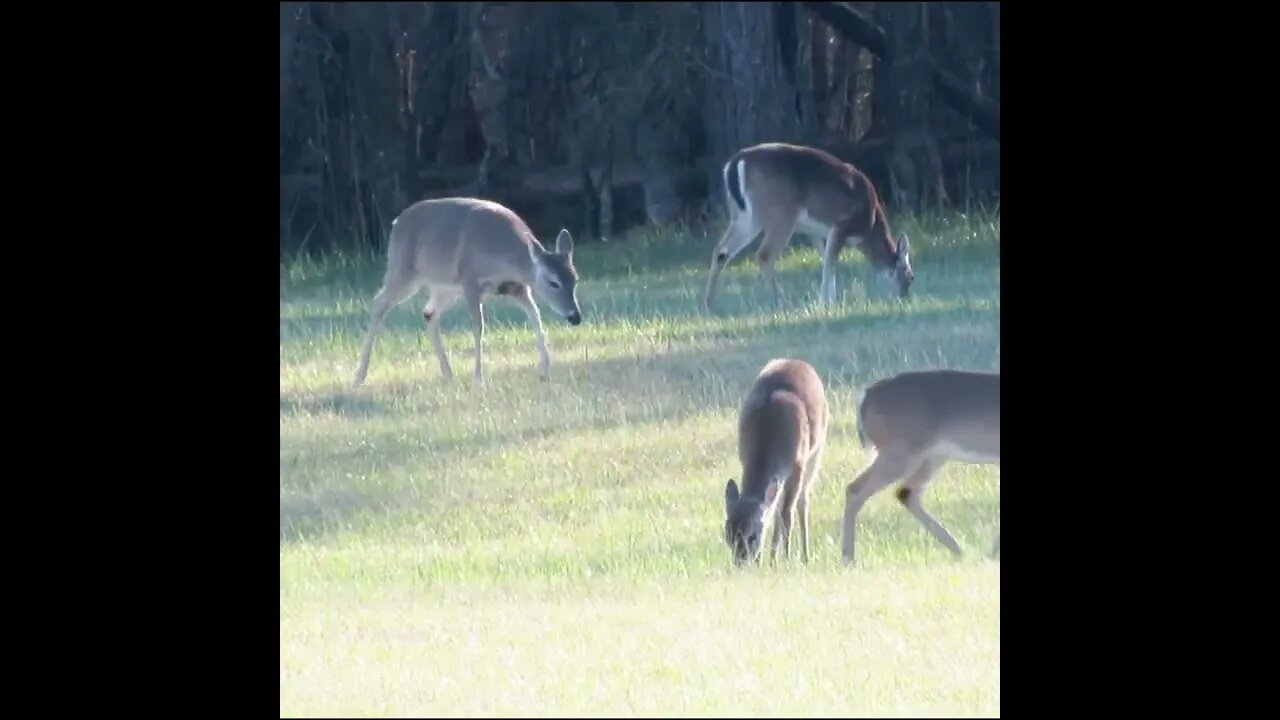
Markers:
point(523, 296)
point(834, 243)
point(395, 290)
point(741, 231)
point(910, 495)
point(802, 503)
point(830, 255)
point(438, 304)
point(802, 510)
point(882, 472)
point(777, 236)
point(785, 516)
point(474, 303)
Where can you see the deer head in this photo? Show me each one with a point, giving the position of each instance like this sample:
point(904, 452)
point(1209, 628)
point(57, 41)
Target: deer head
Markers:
point(556, 279)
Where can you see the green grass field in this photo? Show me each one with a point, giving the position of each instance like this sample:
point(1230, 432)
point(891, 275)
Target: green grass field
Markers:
point(542, 548)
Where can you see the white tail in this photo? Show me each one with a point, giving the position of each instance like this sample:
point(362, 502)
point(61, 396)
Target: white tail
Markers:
point(916, 422)
point(782, 434)
point(780, 189)
point(472, 249)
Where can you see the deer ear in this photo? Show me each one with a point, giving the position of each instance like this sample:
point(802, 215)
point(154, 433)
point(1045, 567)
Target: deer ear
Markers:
point(904, 244)
point(564, 243)
point(534, 254)
point(730, 496)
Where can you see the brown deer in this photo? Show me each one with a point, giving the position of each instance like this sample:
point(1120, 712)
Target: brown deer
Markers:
point(472, 249)
point(782, 189)
point(915, 423)
point(782, 434)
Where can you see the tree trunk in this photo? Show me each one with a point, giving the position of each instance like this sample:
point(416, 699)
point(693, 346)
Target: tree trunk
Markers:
point(751, 99)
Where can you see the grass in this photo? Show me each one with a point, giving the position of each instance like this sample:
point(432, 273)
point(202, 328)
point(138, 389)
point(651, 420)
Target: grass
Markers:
point(553, 548)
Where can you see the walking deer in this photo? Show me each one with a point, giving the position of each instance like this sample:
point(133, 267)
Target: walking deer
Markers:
point(472, 249)
point(782, 434)
point(915, 423)
point(780, 189)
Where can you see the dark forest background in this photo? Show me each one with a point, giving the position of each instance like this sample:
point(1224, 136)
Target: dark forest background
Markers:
point(601, 117)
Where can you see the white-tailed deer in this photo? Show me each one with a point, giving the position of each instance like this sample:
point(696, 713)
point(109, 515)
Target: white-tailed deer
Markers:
point(915, 423)
point(782, 434)
point(472, 249)
point(781, 189)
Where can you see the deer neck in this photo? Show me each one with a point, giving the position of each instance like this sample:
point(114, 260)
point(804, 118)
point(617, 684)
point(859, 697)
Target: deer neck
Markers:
point(882, 249)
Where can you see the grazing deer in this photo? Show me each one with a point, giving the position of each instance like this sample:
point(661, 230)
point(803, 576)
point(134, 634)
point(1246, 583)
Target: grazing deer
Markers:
point(781, 189)
point(782, 433)
point(915, 423)
point(474, 249)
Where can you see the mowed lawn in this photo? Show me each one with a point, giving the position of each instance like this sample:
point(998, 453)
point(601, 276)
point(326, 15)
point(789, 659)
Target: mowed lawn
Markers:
point(542, 548)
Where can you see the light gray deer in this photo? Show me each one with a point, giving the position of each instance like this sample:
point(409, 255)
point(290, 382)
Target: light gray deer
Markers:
point(915, 422)
point(782, 435)
point(780, 189)
point(472, 249)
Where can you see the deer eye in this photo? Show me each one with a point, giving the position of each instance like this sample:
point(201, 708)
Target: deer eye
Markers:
point(554, 283)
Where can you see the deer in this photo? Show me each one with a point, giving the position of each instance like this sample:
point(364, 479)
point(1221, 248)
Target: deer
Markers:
point(915, 423)
point(475, 250)
point(782, 435)
point(780, 188)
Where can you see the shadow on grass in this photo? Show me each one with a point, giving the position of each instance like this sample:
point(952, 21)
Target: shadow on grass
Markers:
point(721, 351)
point(350, 404)
point(646, 256)
point(745, 294)
point(684, 252)
point(309, 517)
point(646, 296)
point(734, 356)
point(655, 384)
point(320, 323)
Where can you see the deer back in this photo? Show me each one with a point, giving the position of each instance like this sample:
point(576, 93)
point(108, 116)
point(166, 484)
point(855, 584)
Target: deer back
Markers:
point(782, 420)
point(948, 412)
point(455, 240)
point(782, 179)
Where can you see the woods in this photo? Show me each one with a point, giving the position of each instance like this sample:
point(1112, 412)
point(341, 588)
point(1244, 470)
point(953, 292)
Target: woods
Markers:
point(601, 117)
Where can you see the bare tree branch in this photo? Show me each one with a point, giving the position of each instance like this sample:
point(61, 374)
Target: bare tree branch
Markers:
point(860, 29)
point(853, 25)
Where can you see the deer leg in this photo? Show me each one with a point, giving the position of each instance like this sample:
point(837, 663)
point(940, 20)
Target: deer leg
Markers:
point(910, 494)
point(472, 295)
point(782, 533)
point(741, 231)
point(834, 244)
point(786, 517)
point(879, 475)
point(524, 298)
point(802, 503)
point(394, 291)
point(830, 255)
point(802, 506)
point(438, 304)
point(777, 537)
point(787, 511)
point(777, 236)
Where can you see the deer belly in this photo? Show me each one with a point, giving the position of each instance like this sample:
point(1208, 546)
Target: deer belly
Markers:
point(970, 451)
point(807, 225)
